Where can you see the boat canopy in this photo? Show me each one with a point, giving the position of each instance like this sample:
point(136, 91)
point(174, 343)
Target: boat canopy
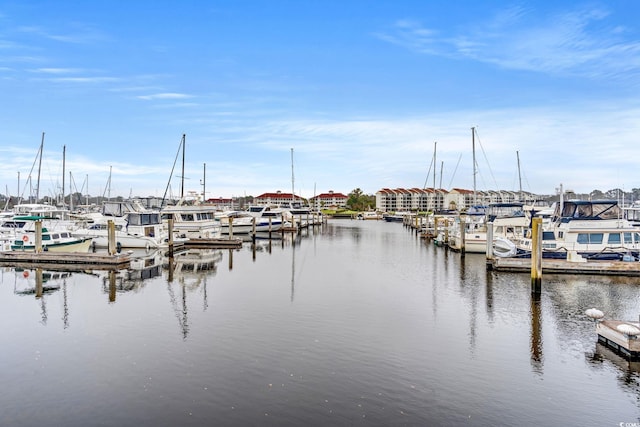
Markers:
point(504, 210)
point(588, 210)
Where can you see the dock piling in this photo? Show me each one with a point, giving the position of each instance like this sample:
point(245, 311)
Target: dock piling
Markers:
point(536, 255)
point(489, 243)
point(463, 232)
point(38, 248)
point(111, 237)
point(170, 225)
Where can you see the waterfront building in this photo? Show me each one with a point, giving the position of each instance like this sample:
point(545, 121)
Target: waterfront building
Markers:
point(278, 198)
point(330, 200)
point(438, 199)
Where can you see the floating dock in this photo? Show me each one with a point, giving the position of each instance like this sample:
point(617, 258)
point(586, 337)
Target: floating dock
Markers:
point(610, 333)
point(214, 243)
point(96, 261)
point(560, 266)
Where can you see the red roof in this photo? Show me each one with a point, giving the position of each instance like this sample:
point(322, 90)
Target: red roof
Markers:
point(330, 196)
point(278, 195)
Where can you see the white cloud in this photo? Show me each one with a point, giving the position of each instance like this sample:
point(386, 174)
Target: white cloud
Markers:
point(165, 95)
point(579, 42)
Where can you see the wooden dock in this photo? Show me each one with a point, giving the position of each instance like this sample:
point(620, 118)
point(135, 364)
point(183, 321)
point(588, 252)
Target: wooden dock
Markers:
point(96, 261)
point(609, 334)
point(560, 266)
point(214, 243)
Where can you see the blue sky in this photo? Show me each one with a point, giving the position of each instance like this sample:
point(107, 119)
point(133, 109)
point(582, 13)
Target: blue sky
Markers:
point(360, 90)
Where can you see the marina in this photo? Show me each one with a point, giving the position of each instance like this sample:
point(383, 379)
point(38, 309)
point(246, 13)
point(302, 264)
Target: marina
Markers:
point(354, 322)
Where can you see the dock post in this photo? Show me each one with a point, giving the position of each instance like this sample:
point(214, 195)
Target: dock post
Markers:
point(446, 233)
point(489, 245)
point(253, 229)
point(281, 220)
point(38, 243)
point(536, 255)
point(230, 227)
point(111, 237)
point(170, 224)
point(463, 232)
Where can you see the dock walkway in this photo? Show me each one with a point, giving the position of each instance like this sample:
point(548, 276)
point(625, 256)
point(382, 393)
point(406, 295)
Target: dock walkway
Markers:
point(77, 260)
point(559, 266)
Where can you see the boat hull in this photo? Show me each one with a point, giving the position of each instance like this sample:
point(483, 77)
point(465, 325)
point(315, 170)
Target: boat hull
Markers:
point(81, 245)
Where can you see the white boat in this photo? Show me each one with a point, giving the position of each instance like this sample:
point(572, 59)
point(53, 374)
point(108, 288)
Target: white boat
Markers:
point(269, 218)
point(135, 226)
point(585, 229)
point(508, 219)
point(193, 221)
point(236, 222)
point(55, 237)
point(370, 215)
point(632, 213)
point(298, 215)
point(40, 209)
point(398, 216)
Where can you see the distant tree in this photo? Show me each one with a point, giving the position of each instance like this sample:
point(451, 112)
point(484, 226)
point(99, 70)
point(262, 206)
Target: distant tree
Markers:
point(358, 201)
point(613, 194)
point(596, 194)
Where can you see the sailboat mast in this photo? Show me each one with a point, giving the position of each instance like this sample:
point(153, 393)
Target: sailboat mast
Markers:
point(435, 144)
point(39, 169)
point(109, 192)
point(204, 183)
point(519, 176)
point(64, 158)
point(184, 136)
point(473, 147)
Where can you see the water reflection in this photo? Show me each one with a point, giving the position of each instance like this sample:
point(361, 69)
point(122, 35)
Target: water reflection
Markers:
point(41, 283)
point(190, 269)
point(357, 323)
point(143, 266)
point(627, 371)
point(537, 360)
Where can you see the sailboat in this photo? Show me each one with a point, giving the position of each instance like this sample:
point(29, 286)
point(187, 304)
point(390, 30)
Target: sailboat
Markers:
point(192, 219)
point(508, 218)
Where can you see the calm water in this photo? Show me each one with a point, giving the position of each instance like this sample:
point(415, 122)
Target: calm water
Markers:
point(360, 323)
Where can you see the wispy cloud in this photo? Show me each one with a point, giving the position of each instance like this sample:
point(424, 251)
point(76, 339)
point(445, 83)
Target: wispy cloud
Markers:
point(579, 42)
point(57, 70)
point(78, 34)
point(165, 95)
point(83, 80)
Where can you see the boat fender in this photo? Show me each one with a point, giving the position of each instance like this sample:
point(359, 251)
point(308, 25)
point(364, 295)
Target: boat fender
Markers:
point(118, 247)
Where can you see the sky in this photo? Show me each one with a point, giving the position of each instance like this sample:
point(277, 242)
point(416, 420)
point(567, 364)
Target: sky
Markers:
point(317, 96)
